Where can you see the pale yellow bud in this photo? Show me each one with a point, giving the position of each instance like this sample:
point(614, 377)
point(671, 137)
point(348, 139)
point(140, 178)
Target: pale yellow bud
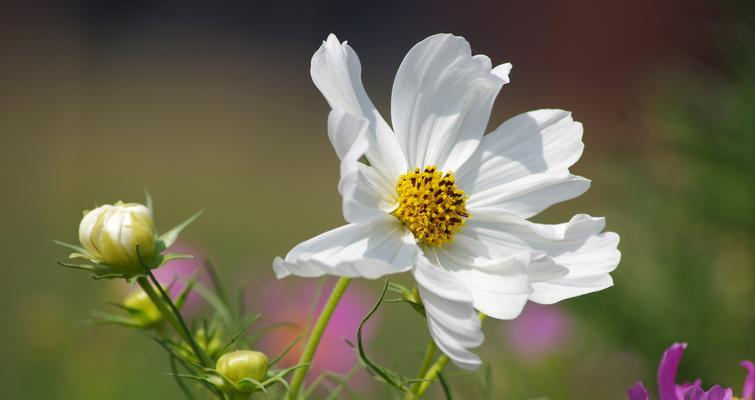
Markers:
point(243, 364)
point(110, 234)
point(148, 314)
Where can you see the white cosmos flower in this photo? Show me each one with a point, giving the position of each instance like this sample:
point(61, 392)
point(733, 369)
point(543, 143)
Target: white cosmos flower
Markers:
point(439, 199)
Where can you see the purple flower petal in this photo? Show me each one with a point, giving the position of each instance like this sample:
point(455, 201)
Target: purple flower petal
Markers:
point(680, 389)
point(748, 392)
point(715, 393)
point(667, 371)
point(638, 392)
point(694, 393)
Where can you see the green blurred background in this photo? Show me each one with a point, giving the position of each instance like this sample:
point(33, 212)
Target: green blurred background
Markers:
point(211, 107)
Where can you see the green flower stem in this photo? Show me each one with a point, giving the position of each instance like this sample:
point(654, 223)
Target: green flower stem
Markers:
point(432, 374)
point(315, 336)
point(172, 319)
point(426, 362)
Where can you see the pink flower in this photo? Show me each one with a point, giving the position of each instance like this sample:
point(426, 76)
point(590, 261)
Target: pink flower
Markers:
point(668, 389)
point(538, 331)
point(290, 308)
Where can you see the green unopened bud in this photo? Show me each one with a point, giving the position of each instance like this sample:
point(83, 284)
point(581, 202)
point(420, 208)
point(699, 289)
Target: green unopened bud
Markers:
point(144, 310)
point(111, 233)
point(212, 344)
point(242, 364)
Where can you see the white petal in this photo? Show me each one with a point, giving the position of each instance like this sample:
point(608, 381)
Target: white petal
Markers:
point(336, 71)
point(348, 134)
point(530, 195)
point(451, 318)
point(365, 195)
point(499, 289)
point(579, 246)
point(526, 154)
point(441, 101)
point(356, 250)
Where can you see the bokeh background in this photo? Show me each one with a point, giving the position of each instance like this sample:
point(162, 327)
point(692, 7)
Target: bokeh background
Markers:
point(210, 106)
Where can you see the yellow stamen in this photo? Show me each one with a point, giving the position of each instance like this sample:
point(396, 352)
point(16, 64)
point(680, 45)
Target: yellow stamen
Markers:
point(430, 205)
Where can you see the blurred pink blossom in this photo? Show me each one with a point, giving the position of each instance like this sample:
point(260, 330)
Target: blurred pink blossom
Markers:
point(290, 305)
point(178, 273)
point(538, 331)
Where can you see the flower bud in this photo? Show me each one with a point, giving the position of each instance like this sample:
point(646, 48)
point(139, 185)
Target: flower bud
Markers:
point(147, 313)
point(242, 364)
point(213, 344)
point(110, 234)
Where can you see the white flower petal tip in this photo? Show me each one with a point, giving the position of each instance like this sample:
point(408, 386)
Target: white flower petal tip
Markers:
point(451, 317)
point(337, 73)
point(279, 267)
point(566, 260)
point(356, 250)
point(589, 254)
point(502, 71)
point(441, 101)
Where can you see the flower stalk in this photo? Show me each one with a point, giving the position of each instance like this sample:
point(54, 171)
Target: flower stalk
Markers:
point(426, 363)
point(174, 319)
point(316, 335)
point(432, 375)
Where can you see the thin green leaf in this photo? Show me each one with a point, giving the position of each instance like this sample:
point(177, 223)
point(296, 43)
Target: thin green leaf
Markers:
point(164, 258)
point(445, 386)
point(73, 247)
point(216, 303)
point(148, 201)
point(232, 341)
point(169, 237)
point(385, 374)
point(103, 318)
point(285, 351)
point(79, 255)
point(400, 289)
point(93, 268)
point(343, 382)
point(181, 299)
point(216, 283)
point(179, 381)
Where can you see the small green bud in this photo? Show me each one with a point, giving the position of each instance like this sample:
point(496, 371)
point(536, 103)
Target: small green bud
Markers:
point(147, 314)
point(242, 364)
point(110, 234)
point(212, 344)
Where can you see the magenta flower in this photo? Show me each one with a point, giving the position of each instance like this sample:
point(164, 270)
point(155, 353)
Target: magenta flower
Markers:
point(289, 309)
point(668, 389)
point(538, 331)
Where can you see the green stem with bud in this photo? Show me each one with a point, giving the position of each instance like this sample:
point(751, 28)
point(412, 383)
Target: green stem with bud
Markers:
point(315, 336)
point(159, 300)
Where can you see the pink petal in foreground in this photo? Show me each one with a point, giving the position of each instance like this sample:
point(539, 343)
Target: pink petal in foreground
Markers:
point(748, 392)
point(638, 392)
point(667, 371)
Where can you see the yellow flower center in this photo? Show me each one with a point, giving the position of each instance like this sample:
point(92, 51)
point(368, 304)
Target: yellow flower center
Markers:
point(430, 205)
